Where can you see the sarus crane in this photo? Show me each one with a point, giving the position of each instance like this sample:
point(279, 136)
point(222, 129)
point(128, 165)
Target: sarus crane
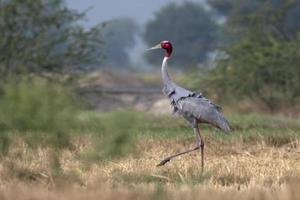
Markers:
point(194, 108)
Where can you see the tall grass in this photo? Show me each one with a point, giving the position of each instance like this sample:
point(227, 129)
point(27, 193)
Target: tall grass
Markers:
point(113, 134)
point(40, 112)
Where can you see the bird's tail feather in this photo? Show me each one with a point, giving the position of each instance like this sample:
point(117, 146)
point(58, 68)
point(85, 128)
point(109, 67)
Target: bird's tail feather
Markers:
point(223, 124)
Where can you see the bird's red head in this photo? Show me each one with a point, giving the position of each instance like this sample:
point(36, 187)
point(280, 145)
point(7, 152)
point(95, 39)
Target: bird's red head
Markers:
point(168, 47)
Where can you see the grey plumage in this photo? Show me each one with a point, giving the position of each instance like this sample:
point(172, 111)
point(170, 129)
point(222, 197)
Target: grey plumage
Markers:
point(191, 106)
point(195, 108)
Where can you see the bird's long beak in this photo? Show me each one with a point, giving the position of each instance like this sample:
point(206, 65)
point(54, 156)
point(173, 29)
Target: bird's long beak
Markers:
point(155, 47)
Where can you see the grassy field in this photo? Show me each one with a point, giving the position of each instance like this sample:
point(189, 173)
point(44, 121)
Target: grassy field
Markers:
point(114, 155)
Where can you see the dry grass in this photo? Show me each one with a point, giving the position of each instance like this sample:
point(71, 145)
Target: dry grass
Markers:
point(287, 192)
point(233, 170)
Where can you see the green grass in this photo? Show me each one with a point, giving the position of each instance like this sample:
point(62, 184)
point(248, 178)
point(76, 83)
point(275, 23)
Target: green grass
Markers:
point(276, 130)
point(255, 120)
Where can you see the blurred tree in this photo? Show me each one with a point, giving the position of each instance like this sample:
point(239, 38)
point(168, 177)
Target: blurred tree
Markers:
point(230, 8)
point(44, 35)
point(189, 27)
point(264, 63)
point(239, 15)
point(119, 36)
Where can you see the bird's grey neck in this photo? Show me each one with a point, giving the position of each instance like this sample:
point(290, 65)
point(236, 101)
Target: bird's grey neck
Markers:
point(164, 71)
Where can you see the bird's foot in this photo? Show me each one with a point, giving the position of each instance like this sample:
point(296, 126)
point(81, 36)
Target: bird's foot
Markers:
point(163, 162)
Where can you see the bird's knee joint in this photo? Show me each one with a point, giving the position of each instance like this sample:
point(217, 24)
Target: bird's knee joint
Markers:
point(194, 125)
point(200, 145)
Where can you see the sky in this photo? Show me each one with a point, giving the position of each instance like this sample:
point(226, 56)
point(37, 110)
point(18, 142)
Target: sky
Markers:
point(102, 10)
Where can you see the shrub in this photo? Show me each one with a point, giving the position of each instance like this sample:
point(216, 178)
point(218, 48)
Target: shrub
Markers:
point(39, 111)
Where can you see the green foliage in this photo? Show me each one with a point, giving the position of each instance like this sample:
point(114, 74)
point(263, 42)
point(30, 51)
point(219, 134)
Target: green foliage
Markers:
point(260, 121)
point(44, 35)
point(5, 141)
point(114, 133)
point(263, 69)
point(188, 26)
point(117, 134)
point(239, 15)
point(263, 62)
point(38, 111)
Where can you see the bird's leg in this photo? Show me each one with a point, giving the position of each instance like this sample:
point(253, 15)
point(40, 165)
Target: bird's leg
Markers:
point(200, 145)
point(164, 161)
point(198, 137)
point(200, 142)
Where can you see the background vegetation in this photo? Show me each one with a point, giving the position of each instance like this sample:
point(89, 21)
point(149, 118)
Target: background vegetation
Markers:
point(261, 63)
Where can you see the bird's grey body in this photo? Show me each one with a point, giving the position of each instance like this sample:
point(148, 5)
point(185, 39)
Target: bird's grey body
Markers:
point(190, 105)
point(195, 108)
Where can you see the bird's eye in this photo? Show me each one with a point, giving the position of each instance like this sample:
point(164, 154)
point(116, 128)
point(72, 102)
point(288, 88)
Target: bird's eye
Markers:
point(164, 45)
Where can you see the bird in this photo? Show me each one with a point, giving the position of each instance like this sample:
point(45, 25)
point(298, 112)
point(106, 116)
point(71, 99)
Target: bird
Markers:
point(193, 107)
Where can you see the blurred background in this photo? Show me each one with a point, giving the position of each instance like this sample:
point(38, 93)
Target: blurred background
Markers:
point(233, 51)
point(73, 68)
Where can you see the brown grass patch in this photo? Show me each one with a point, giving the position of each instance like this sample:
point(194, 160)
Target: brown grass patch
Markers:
point(232, 171)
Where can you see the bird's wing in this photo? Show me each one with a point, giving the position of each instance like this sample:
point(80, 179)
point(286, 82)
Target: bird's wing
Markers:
point(175, 92)
point(204, 110)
